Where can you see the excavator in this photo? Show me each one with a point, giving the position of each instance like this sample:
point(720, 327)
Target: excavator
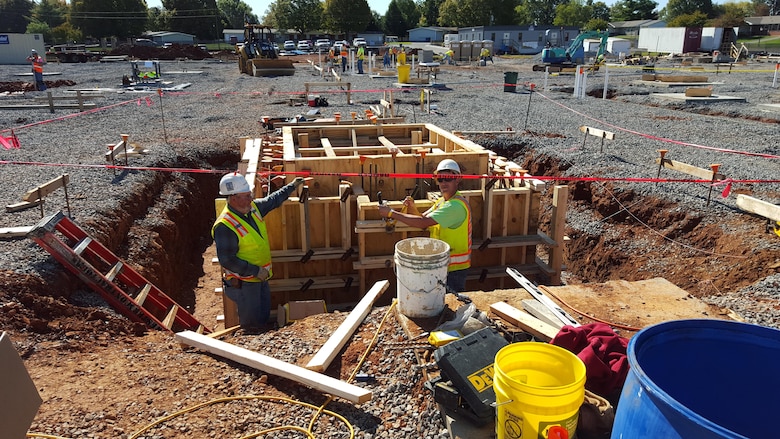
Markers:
point(558, 58)
point(257, 56)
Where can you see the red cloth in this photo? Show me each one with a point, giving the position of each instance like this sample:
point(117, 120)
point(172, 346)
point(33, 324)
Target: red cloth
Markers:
point(602, 351)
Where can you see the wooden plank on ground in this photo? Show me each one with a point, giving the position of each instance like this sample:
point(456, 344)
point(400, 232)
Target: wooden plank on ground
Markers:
point(16, 207)
point(46, 188)
point(14, 232)
point(759, 207)
point(271, 365)
point(701, 173)
point(524, 321)
point(336, 342)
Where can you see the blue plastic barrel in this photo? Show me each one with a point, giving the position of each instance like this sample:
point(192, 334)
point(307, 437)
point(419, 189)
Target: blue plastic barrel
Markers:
point(699, 379)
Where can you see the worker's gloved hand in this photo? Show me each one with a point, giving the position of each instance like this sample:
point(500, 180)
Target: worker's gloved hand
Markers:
point(263, 274)
point(298, 181)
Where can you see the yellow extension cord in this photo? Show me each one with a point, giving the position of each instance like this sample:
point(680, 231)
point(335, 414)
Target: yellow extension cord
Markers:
point(308, 432)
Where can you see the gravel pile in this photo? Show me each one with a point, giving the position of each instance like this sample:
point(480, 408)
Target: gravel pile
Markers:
point(220, 105)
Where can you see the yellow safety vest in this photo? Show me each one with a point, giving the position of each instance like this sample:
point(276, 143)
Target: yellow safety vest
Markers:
point(458, 238)
point(252, 246)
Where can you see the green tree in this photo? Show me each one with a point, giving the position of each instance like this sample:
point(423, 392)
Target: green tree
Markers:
point(572, 14)
point(105, 18)
point(542, 11)
point(430, 11)
point(65, 33)
point(694, 19)
point(463, 13)
point(234, 13)
point(36, 27)
point(347, 16)
point(600, 10)
point(411, 14)
point(676, 8)
point(523, 14)
point(158, 19)
point(731, 14)
point(394, 23)
point(596, 24)
point(196, 17)
point(628, 10)
point(14, 15)
point(300, 15)
point(51, 12)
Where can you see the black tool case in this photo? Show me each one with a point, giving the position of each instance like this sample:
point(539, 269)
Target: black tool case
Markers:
point(468, 364)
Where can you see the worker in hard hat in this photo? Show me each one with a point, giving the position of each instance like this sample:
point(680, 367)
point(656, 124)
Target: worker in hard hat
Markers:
point(361, 56)
point(37, 62)
point(449, 57)
point(449, 219)
point(484, 56)
point(242, 248)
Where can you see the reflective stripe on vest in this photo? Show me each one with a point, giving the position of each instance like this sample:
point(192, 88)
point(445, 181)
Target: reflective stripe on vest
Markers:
point(37, 67)
point(252, 246)
point(458, 238)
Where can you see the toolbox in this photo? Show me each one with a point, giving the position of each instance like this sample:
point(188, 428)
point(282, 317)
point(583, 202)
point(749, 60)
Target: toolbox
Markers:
point(468, 364)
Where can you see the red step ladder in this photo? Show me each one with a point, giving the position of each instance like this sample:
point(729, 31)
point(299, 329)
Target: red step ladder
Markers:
point(120, 285)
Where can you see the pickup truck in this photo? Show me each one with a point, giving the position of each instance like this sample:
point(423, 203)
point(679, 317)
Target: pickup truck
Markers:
point(72, 53)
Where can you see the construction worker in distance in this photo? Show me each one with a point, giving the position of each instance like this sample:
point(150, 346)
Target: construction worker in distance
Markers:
point(241, 239)
point(449, 57)
point(484, 56)
point(37, 62)
point(361, 55)
point(344, 55)
point(449, 219)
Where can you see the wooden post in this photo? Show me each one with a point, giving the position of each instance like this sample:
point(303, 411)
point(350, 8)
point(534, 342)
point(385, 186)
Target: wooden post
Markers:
point(51, 101)
point(557, 227)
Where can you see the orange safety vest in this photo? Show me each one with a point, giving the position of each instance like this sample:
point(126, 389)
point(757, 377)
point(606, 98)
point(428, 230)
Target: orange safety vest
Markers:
point(344, 52)
point(37, 64)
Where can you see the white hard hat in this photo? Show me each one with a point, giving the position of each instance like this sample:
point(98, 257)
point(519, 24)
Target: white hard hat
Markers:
point(33, 51)
point(233, 183)
point(448, 165)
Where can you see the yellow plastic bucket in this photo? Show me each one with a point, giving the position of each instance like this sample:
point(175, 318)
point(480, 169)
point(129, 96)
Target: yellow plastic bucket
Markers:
point(539, 387)
point(403, 73)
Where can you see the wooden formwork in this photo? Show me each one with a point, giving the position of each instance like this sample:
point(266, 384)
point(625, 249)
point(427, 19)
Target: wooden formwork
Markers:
point(332, 244)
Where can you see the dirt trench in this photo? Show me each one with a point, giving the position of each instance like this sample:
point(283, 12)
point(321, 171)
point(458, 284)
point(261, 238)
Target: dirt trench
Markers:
point(163, 231)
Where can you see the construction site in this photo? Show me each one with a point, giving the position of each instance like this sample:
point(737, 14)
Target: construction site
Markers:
point(610, 200)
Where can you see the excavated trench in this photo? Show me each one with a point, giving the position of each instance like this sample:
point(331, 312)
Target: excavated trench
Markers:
point(163, 229)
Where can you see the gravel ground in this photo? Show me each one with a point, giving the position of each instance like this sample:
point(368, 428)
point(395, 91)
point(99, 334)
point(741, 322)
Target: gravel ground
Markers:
point(221, 105)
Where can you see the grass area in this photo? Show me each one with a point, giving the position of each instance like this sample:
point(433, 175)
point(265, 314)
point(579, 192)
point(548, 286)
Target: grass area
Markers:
point(764, 42)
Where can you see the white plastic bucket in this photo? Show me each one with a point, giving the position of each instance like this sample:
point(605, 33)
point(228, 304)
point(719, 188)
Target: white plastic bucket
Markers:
point(421, 270)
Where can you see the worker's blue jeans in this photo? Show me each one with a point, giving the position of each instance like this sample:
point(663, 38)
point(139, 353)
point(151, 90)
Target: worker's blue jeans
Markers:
point(456, 280)
point(253, 300)
point(360, 66)
point(39, 84)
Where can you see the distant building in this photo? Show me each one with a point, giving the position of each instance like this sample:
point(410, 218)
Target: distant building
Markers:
point(632, 27)
point(431, 34)
point(162, 37)
point(768, 25)
point(15, 48)
point(527, 39)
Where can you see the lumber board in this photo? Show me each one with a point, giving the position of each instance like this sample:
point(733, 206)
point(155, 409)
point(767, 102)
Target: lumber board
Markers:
point(273, 366)
point(326, 145)
point(701, 173)
point(759, 207)
point(524, 321)
point(46, 188)
point(339, 338)
point(16, 207)
point(14, 232)
point(597, 132)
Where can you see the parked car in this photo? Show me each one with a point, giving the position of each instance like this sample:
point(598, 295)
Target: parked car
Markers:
point(322, 45)
point(289, 45)
point(338, 44)
point(359, 41)
point(145, 42)
point(304, 45)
